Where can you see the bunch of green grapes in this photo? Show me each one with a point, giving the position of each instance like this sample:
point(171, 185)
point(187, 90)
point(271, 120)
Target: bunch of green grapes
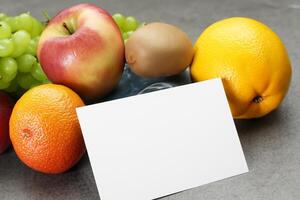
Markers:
point(127, 25)
point(19, 67)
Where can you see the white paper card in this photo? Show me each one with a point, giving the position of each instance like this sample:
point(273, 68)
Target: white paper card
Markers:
point(148, 146)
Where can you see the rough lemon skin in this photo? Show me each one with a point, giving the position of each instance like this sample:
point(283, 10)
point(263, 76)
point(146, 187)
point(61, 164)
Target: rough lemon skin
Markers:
point(251, 60)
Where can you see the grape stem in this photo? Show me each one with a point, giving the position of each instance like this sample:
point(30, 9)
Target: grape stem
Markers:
point(47, 16)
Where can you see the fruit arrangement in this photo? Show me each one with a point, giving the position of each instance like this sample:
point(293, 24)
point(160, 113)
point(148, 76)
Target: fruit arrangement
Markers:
point(19, 67)
point(82, 51)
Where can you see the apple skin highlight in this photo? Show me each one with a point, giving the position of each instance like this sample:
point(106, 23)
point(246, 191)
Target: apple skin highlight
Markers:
point(82, 48)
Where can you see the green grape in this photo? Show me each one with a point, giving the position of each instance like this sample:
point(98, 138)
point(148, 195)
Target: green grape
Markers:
point(25, 80)
point(13, 23)
point(20, 91)
point(6, 47)
point(37, 28)
point(46, 81)
point(8, 69)
point(129, 33)
point(141, 25)
point(125, 36)
point(19, 69)
point(24, 22)
point(38, 73)
point(26, 62)
point(35, 84)
point(32, 46)
point(3, 16)
point(3, 85)
point(130, 24)
point(5, 30)
point(36, 39)
point(21, 40)
point(119, 19)
point(127, 25)
point(13, 87)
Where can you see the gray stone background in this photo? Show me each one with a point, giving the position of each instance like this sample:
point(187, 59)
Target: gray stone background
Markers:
point(271, 144)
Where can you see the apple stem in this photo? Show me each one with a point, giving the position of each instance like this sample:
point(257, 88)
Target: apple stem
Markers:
point(67, 28)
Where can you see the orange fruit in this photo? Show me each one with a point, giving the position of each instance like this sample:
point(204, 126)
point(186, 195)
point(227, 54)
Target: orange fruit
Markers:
point(251, 60)
point(44, 129)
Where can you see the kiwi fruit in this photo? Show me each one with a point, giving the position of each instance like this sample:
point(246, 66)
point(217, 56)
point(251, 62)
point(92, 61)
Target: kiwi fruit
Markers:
point(158, 49)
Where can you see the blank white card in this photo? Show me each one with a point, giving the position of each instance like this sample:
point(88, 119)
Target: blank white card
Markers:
point(152, 145)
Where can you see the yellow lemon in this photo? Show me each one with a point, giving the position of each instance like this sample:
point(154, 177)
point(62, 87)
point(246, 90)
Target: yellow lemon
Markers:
point(251, 60)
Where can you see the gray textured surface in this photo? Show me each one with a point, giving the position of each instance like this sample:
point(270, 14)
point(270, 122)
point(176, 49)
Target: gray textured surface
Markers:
point(271, 144)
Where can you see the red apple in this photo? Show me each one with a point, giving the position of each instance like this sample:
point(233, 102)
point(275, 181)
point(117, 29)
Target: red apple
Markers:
point(6, 106)
point(82, 48)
